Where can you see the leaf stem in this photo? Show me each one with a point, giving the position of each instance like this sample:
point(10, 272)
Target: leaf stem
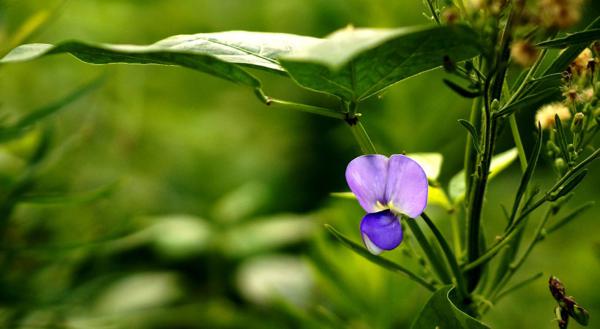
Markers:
point(362, 138)
point(327, 112)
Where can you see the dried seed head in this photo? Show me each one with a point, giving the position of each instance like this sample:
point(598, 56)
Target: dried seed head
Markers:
point(545, 115)
point(450, 15)
point(523, 53)
point(581, 63)
point(559, 13)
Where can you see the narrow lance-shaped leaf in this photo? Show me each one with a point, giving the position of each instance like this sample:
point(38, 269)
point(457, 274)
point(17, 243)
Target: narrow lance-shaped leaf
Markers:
point(387, 264)
point(21, 126)
point(578, 38)
point(355, 64)
point(222, 54)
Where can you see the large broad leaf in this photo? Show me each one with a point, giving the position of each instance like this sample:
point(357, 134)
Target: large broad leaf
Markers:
point(441, 312)
point(357, 63)
point(222, 54)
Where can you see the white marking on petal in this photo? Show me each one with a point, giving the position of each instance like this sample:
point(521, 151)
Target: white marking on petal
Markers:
point(371, 246)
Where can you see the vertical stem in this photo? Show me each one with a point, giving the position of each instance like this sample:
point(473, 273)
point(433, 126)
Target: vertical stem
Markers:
point(470, 154)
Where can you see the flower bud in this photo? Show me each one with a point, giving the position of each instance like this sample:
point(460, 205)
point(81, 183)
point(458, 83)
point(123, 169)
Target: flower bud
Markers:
point(450, 15)
point(560, 165)
point(523, 53)
point(546, 114)
point(580, 64)
point(557, 289)
point(559, 13)
point(577, 124)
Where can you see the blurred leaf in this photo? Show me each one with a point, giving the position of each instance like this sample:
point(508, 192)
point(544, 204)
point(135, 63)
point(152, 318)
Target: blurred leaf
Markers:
point(139, 291)
point(21, 126)
point(343, 195)
point(378, 260)
point(240, 203)
point(578, 38)
point(266, 234)
point(265, 279)
point(355, 64)
point(441, 312)
point(437, 196)
point(221, 54)
point(431, 163)
point(501, 161)
point(74, 198)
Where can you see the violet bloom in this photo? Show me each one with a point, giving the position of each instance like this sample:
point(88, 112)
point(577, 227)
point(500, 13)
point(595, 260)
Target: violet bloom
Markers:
point(387, 188)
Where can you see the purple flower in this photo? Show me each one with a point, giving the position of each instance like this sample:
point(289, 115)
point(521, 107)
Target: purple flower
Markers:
point(387, 188)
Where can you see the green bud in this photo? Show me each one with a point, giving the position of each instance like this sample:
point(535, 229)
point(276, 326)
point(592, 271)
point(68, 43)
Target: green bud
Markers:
point(560, 165)
point(577, 124)
point(580, 314)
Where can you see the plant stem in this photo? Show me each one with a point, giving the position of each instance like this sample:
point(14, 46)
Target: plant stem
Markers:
point(438, 266)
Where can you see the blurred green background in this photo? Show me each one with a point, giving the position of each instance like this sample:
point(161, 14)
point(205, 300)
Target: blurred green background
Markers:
point(215, 203)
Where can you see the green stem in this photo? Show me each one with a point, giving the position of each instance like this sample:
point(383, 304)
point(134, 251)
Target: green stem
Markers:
point(512, 269)
point(450, 257)
point(362, 138)
point(455, 225)
point(438, 266)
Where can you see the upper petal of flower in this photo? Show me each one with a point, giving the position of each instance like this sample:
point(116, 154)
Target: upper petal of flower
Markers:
point(406, 189)
point(366, 176)
point(381, 231)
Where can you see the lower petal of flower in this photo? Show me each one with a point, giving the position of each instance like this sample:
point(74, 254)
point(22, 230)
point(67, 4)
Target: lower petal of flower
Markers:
point(381, 231)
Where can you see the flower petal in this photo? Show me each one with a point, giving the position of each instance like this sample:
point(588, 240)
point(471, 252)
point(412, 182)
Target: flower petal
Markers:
point(381, 231)
point(366, 176)
point(406, 190)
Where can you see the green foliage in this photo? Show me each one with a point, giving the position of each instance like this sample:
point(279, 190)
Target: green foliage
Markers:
point(343, 64)
point(441, 312)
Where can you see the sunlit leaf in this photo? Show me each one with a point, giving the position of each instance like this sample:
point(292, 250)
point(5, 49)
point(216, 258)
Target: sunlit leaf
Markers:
point(355, 64)
point(501, 161)
point(431, 163)
point(223, 54)
point(441, 312)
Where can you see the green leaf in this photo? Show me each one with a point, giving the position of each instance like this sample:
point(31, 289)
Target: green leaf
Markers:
point(385, 263)
point(461, 90)
point(472, 132)
point(263, 234)
point(501, 161)
point(222, 54)
point(73, 198)
point(431, 163)
point(568, 218)
point(568, 55)
point(23, 124)
point(441, 312)
point(578, 38)
point(355, 64)
point(531, 101)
